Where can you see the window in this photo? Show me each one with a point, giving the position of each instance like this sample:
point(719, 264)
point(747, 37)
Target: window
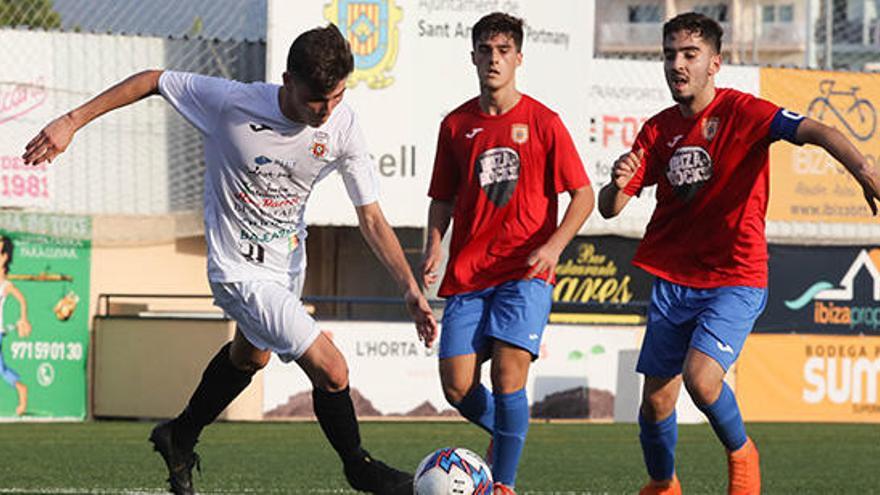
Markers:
point(716, 11)
point(777, 13)
point(785, 13)
point(768, 13)
point(644, 13)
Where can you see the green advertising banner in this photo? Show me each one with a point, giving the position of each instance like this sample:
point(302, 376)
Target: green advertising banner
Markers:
point(45, 264)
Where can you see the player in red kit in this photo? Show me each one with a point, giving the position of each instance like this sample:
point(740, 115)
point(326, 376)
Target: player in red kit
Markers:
point(502, 160)
point(705, 243)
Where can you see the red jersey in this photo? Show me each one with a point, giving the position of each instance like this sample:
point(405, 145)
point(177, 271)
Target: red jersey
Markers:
point(712, 177)
point(504, 174)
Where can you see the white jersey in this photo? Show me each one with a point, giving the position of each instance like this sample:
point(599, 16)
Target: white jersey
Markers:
point(260, 169)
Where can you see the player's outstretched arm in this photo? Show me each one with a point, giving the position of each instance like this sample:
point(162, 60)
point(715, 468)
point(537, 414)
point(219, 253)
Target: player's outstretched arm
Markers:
point(439, 215)
point(23, 325)
point(545, 258)
point(385, 245)
point(835, 143)
point(612, 199)
point(53, 139)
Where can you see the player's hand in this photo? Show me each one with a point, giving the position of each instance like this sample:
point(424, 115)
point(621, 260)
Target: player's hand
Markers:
point(430, 264)
point(543, 260)
point(871, 188)
point(24, 328)
point(625, 167)
point(871, 197)
point(422, 315)
point(50, 142)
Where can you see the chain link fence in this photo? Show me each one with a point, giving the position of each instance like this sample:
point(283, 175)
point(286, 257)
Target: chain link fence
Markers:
point(139, 171)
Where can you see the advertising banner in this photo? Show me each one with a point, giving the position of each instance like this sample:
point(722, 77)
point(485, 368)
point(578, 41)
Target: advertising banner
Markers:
point(823, 289)
point(807, 184)
point(118, 164)
point(392, 374)
point(597, 273)
point(809, 378)
point(413, 66)
point(44, 291)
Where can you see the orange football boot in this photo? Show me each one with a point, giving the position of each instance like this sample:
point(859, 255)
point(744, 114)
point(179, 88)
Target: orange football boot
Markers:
point(666, 487)
point(744, 470)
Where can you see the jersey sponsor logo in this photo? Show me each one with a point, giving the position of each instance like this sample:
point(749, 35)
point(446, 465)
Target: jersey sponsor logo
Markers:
point(259, 127)
point(473, 132)
point(371, 28)
point(271, 167)
point(689, 168)
point(710, 127)
point(497, 170)
point(519, 133)
point(672, 142)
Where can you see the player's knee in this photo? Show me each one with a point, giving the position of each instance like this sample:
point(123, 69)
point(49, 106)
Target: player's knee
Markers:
point(251, 363)
point(658, 406)
point(455, 392)
point(702, 389)
point(335, 378)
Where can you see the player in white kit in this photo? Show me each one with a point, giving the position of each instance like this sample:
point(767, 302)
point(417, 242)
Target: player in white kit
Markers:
point(266, 146)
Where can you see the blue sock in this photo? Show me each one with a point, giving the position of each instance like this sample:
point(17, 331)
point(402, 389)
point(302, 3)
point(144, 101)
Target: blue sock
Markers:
point(726, 420)
point(658, 446)
point(478, 407)
point(511, 425)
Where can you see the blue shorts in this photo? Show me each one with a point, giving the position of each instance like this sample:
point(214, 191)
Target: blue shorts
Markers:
point(8, 374)
point(514, 312)
point(713, 321)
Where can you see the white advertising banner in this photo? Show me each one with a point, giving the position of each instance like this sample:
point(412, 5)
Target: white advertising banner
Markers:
point(118, 164)
point(618, 97)
point(392, 374)
point(413, 66)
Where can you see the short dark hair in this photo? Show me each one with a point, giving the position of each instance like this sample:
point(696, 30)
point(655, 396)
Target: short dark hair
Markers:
point(696, 24)
point(498, 23)
point(320, 58)
point(6, 249)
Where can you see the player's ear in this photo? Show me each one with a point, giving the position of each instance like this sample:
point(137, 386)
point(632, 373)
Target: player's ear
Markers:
point(518, 58)
point(473, 57)
point(715, 64)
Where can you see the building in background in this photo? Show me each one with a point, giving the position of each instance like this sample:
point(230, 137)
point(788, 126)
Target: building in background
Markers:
point(765, 32)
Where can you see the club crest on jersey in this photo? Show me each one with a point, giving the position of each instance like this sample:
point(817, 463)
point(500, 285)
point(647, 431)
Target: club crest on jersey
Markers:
point(710, 127)
point(519, 133)
point(370, 26)
point(319, 144)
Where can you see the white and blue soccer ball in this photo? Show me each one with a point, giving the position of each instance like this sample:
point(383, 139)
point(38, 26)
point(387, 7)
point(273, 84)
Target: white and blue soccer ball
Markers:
point(453, 471)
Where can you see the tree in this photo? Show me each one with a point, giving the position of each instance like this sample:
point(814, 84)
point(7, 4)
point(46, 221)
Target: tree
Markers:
point(32, 13)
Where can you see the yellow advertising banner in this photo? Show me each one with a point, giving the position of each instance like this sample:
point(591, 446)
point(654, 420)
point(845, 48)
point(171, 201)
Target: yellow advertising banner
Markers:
point(807, 184)
point(809, 378)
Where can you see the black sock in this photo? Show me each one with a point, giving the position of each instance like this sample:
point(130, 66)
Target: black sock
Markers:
point(221, 383)
point(335, 413)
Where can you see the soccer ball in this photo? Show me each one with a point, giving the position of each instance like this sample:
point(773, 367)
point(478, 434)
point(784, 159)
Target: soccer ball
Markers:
point(453, 471)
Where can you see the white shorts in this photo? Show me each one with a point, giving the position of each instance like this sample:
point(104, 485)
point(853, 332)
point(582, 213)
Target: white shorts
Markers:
point(269, 314)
